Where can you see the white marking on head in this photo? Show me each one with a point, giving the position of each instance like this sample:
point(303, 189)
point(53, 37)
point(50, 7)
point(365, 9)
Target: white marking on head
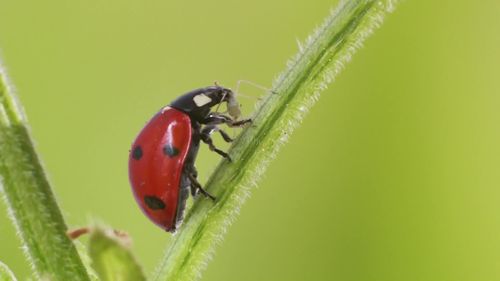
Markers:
point(201, 99)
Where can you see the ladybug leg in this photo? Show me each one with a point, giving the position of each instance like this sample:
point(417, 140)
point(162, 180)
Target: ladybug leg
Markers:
point(211, 122)
point(239, 123)
point(197, 186)
point(193, 174)
point(211, 128)
point(225, 136)
point(215, 119)
point(206, 138)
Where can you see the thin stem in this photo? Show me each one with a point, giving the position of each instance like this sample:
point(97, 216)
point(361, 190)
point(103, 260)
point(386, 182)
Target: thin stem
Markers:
point(5, 273)
point(28, 195)
point(294, 92)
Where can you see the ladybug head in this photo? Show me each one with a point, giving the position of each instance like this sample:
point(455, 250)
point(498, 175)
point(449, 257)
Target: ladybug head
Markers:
point(198, 103)
point(220, 95)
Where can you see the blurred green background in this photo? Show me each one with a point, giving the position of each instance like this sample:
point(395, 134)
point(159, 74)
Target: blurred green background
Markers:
point(394, 175)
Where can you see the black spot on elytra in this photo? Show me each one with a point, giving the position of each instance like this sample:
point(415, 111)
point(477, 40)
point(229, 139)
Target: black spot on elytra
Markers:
point(154, 202)
point(137, 153)
point(170, 151)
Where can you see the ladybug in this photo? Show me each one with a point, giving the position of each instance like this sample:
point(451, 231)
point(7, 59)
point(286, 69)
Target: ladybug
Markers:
point(161, 160)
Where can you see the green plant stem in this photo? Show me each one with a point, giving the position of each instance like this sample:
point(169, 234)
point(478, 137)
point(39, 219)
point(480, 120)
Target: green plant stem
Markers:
point(31, 204)
point(316, 65)
point(5, 273)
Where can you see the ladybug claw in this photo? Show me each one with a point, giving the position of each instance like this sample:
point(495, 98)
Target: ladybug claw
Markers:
point(240, 123)
point(225, 136)
point(223, 154)
point(206, 194)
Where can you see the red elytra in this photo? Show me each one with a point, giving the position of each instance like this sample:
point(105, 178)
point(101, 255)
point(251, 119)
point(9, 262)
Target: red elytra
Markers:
point(155, 165)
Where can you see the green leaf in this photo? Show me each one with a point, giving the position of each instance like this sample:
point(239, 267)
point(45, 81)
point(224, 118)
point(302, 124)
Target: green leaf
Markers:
point(112, 260)
point(29, 198)
point(315, 66)
point(5, 273)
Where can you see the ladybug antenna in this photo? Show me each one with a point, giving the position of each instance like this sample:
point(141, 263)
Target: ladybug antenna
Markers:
point(258, 86)
point(240, 95)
